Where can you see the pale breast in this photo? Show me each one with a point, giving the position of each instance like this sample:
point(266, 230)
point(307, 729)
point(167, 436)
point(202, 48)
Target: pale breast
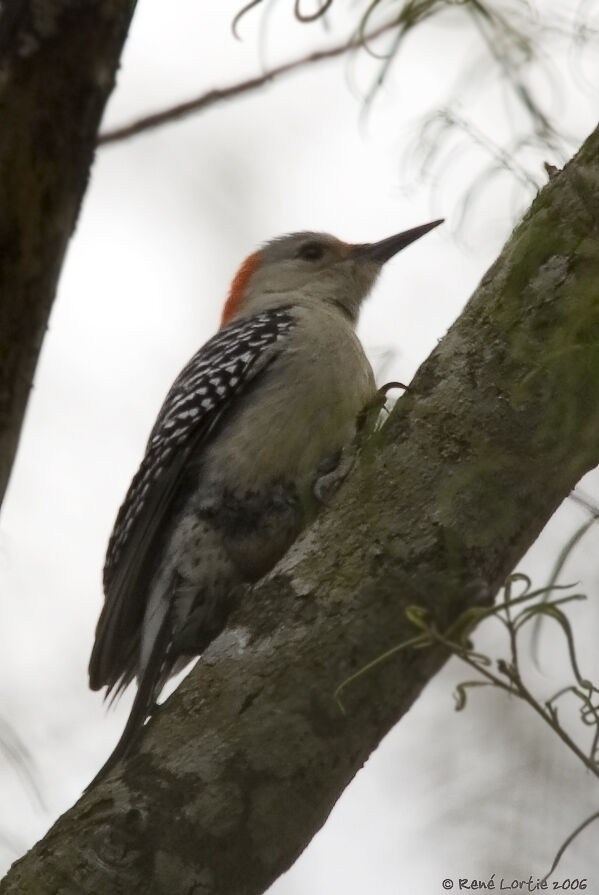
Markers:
point(301, 411)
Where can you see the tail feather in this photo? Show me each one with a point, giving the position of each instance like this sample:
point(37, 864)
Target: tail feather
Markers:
point(149, 685)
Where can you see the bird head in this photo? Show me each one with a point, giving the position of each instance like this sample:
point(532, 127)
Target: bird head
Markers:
point(304, 268)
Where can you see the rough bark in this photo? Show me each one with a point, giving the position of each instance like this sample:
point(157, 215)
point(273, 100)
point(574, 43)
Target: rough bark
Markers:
point(58, 60)
point(244, 763)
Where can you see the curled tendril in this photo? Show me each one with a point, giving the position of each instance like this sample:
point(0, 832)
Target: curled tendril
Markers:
point(311, 16)
point(299, 15)
point(361, 31)
point(240, 15)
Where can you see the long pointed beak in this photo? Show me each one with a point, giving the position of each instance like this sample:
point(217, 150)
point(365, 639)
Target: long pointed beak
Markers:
point(380, 252)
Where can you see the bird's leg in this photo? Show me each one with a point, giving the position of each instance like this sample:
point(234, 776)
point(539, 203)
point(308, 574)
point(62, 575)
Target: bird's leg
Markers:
point(334, 469)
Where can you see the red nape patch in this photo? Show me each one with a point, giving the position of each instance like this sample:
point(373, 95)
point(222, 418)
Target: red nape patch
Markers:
point(236, 297)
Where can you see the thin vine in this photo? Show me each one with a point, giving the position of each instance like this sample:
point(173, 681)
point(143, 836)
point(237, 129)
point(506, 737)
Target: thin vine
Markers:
point(514, 613)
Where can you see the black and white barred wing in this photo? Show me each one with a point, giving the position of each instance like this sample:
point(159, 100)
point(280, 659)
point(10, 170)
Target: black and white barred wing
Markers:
point(199, 397)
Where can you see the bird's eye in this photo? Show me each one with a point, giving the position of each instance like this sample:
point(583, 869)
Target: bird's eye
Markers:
point(311, 251)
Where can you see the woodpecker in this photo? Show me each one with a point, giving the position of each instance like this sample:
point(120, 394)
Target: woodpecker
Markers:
point(247, 442)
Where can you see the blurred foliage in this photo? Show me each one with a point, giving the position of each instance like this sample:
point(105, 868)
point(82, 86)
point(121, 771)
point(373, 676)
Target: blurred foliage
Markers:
point(511, 44)
point(16, 756)
point(514, 612)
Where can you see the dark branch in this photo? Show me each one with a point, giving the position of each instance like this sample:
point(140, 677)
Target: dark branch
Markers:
point(58, 60)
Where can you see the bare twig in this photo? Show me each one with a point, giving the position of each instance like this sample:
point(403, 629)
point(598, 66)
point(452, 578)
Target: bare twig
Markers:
point(211, 97)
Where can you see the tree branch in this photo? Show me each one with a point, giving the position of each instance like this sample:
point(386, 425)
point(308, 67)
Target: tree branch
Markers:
point(243, 764)
point(211, 97)
point(58, 60)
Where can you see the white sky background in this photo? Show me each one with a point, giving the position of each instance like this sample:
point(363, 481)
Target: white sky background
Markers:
point(166, 221)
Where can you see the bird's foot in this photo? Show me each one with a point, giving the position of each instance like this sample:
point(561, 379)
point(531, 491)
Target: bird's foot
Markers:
point(333, 471)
